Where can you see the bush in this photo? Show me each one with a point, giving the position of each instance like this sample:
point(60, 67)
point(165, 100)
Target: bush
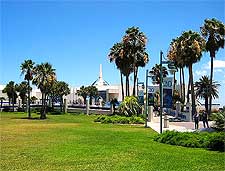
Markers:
point(129, 106)
point(119, 119)
point(213, 141)
point(219, 119)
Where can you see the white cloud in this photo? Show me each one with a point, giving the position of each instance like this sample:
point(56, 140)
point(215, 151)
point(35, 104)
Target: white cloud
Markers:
point(216, 64)
point(200, 72)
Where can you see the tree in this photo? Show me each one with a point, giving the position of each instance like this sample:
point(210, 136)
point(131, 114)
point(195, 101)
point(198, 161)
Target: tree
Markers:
point(213, 31)
point(90, 91)
point(129, 55)
point(22, 89)
point(27, 69)
point(2, 98)
point(44, 77)
point(189, 51)
point(134, 43)
point(203, 90)
point(115, 55)
point(83, 92)
point(10, 90)
point(61, 89)
point(33, 99)
point(155, 72)
point(172, 56)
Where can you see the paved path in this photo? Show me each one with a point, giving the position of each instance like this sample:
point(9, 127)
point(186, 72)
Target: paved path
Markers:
point(178, 126)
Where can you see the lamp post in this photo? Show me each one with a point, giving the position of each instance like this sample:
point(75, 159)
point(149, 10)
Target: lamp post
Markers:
point(172, 68)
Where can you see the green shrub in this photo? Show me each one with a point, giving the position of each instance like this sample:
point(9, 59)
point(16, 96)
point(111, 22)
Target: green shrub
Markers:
point(219, 120)
point(119, 119)
point(129, 106)
point(214, 141)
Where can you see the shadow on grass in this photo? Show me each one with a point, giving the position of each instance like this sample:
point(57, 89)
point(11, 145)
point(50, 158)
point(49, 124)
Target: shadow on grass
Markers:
point(33, 118)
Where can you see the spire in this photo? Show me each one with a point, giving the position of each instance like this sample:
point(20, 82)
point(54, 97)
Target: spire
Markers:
point(100, 72)
point(100, 81)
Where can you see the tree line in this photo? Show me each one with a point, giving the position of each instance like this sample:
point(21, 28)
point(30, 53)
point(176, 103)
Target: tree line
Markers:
point(44, 77)
point(184, 51)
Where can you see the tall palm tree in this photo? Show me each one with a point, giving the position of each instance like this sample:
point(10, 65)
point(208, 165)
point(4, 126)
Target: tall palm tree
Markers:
point(213, 31)
point(189, 51)
point(83, 92)
point(134, 43)
point(44, 77)
point(172, 56)
point(27, 69)
point(203, 90)
point(115, 54)
point(10, 90)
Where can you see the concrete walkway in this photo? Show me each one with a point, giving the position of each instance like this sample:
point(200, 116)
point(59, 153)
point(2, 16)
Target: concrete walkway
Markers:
point(177, 126)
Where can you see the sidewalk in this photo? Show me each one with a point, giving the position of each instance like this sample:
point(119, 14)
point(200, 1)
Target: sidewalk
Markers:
point(177, 126)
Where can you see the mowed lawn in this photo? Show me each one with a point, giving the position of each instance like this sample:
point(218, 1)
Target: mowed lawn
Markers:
point(75, 142)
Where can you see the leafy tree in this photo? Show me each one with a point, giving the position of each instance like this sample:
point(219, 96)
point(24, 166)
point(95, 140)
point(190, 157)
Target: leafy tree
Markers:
point(22, 89)
point(27, 69)
point(44, 77)
point(189, 51)
point(90, 91)
point(61, 89)
point(129, 106)
point(10, 90)
point(2, 98)
point(155, 72)
point(203, 90)
point(213, 31)
point(83, 92)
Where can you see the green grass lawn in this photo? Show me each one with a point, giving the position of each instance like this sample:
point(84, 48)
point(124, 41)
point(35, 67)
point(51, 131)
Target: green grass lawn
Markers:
point(75, 142)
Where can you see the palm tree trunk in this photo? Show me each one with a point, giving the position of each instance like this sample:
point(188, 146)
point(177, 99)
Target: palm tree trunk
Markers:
point(43, 106)
point(188, 88)
point(13, 101)
point(61, 103)
point(207, 104)
point(174, 81)
point(212, 55)
point(29, 114)
point(126, 85)
point(121, 80)
point(1, 103)
point(135, 79)
point(192, 90)
point(182, 69)
point(181, 86)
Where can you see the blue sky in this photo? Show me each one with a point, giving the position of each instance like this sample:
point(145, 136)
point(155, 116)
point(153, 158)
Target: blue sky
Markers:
point(75, 36)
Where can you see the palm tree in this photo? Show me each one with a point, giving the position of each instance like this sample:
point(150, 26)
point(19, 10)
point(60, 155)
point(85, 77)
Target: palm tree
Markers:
point(213, 31)
point(115, 55)
point(129, 55)
point(155, 72)
point(92, 92)
point(22, 89)
point(61, 89)
point(203, 90)
point(189, 51)
point(27, 69)
point(134, 43)
point(44, 77)
point(172, 56)
point(10, 90)
point(83, 92)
